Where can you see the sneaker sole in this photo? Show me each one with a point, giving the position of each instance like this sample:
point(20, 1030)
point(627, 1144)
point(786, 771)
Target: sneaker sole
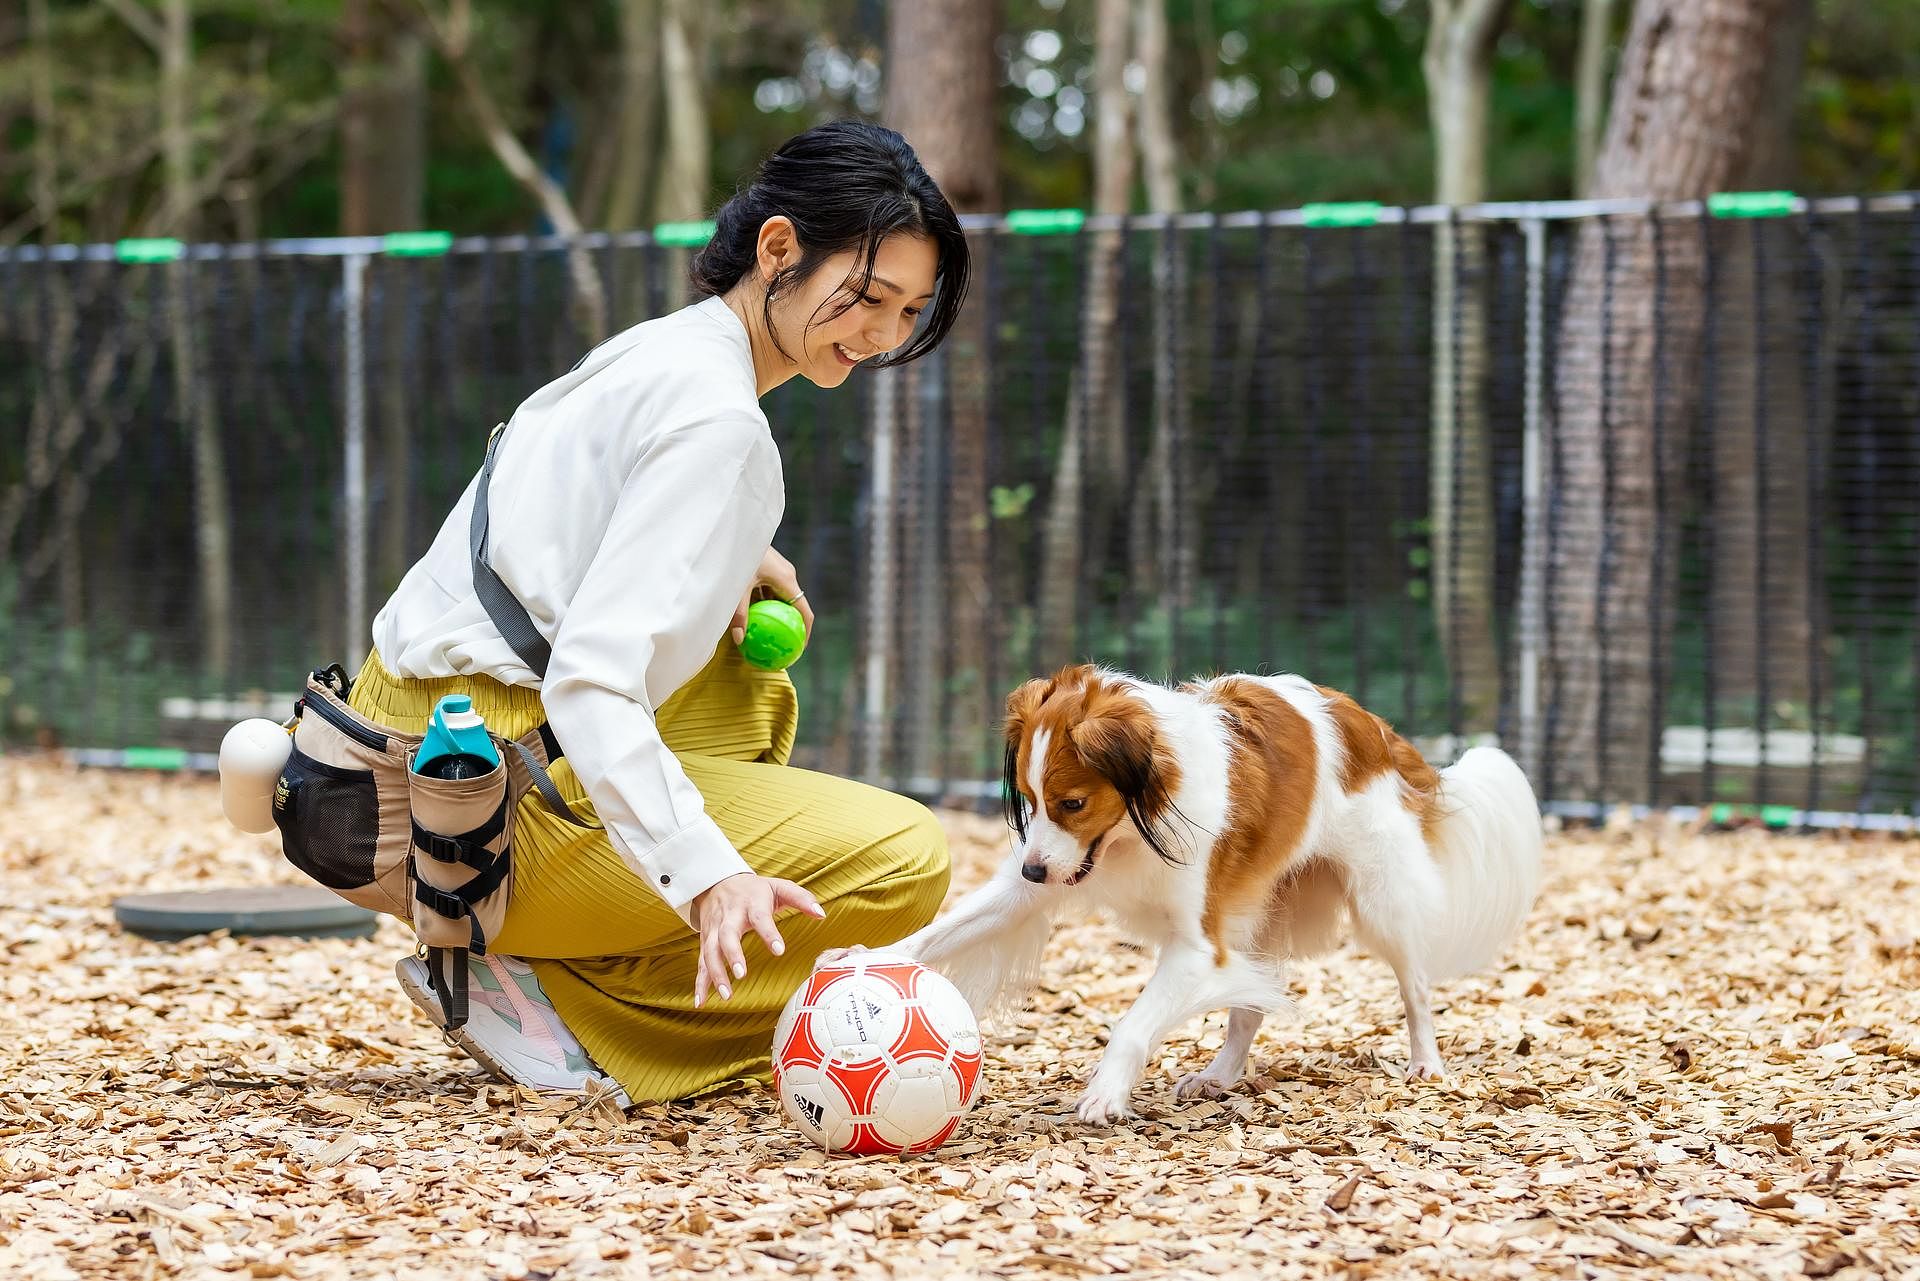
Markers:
point(414, 985)
point(428, 1000)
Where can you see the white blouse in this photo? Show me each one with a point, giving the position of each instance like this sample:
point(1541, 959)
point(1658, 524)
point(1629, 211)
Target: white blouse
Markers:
point(632, 501)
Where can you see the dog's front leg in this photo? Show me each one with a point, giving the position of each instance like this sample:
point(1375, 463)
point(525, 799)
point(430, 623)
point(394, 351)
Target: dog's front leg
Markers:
point(988, 943)
point(1167, 1001)
point(991, 941)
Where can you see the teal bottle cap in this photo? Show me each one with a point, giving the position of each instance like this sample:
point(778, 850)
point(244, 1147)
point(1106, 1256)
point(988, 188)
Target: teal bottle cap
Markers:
point(775, 635)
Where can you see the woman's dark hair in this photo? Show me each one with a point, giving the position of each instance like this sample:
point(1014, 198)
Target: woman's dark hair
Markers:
point(845, 186)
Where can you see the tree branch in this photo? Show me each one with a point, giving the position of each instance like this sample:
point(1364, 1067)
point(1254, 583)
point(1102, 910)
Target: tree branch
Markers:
point(451, 37)
point(143, 23)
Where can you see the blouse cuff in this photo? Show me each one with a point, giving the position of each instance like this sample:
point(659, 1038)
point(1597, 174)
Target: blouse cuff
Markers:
point(689, 863)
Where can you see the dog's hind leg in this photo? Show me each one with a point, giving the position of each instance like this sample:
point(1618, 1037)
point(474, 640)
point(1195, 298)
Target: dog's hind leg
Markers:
point(1224, 1072)
point(1394, 891)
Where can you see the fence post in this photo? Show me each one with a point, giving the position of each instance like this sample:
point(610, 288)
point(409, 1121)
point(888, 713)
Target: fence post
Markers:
point(1533, 559)
point(882, 603)
point(354, 280)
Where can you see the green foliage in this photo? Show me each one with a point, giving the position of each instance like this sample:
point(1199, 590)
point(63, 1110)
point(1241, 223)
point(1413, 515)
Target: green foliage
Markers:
point(1276, 104)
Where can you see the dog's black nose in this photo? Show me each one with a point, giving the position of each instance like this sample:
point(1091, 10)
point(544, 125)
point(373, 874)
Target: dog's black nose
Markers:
point(1035, 872)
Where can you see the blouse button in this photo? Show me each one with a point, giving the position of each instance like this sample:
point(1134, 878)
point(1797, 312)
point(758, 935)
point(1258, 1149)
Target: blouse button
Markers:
point(666, 880)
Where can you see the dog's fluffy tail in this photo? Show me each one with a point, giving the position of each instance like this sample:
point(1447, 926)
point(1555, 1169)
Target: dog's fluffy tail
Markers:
point(1487, 844)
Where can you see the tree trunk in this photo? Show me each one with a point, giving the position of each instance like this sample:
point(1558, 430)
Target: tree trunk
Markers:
point(1590, 88)
point(193, 400)
point(1762, 599)
point(382, 123)
point(1091, 471)
point(685, 176)
point(637, 116)
point(382, 181)
point(684, 165)
point(941, 78)
point(57, 352)
point(1458, 65)
point(1159, 155)
point(1163, 550)
point(1681, 125)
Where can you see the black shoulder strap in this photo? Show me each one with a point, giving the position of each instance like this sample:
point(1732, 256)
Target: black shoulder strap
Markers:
point(502, 606)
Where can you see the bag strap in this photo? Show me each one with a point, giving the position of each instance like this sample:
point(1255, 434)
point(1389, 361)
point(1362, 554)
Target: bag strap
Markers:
point(516, 627)
point(509, 616)
point(447, 979)
point(543, 783)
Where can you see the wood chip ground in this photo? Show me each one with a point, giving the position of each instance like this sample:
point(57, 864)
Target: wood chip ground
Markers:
point(1702, 1060)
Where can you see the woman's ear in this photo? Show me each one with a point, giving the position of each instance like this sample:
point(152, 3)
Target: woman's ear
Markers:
point(777, 247)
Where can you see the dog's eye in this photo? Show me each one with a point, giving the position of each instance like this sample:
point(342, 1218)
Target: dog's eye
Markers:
point(1073, 804)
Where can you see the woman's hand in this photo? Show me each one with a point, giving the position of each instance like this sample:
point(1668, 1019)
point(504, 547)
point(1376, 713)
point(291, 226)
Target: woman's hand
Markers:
point(776, 578)
point(723, 915)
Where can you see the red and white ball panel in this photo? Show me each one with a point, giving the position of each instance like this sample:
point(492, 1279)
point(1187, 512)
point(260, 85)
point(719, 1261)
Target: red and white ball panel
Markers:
point(877, 1053)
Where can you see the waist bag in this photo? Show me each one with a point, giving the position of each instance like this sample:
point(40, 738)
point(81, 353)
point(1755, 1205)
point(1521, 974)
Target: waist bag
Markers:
point(437, 853)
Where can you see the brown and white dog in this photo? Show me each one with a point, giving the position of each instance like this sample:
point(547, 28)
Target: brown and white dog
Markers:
point(1235, 822)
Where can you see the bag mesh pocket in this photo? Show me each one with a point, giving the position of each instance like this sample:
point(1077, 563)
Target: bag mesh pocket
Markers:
point(329, 821)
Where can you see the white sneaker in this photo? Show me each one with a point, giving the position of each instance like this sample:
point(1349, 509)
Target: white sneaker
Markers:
point(512, 1029)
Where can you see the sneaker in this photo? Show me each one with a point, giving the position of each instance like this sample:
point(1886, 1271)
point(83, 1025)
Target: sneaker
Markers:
point(512, 1029)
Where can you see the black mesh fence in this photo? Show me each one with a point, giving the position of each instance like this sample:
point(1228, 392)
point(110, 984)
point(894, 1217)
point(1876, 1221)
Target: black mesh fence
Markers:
point(1633, 493)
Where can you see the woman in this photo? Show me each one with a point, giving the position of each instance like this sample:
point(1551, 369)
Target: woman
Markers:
point(630, 512)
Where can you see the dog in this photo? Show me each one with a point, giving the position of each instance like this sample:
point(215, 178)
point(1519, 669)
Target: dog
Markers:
point(1237, 822)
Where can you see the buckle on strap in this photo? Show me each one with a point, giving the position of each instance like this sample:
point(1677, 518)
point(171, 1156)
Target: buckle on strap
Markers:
point(469, 848)
point(457, 903)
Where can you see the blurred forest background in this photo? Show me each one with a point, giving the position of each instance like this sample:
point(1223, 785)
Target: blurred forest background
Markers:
point(1638, 491)
point(240, 119)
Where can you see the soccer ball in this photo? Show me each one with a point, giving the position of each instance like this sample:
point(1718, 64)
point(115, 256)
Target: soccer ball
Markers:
point(876, 1053)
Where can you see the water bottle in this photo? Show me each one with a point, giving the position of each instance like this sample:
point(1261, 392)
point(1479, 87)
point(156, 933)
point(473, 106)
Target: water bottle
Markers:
point(457, 744)
point(251, 757)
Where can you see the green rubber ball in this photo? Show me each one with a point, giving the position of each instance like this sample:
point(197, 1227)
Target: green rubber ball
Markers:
point(775, 635)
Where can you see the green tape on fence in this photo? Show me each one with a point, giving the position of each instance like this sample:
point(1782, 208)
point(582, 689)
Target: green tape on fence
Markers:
point(149, 249)
point(1045, 222)
point(1341, 213)
point(1750, 204)
point(683, 235)
point(417, 244)
point(167, 758)
point(1771, 815)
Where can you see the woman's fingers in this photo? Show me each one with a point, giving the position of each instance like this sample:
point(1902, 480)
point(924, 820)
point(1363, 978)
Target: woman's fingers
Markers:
point(735, 961)
point(725, 921)
point(762, 921)
point(719, 950)
point(738, 628)
point(786, 894)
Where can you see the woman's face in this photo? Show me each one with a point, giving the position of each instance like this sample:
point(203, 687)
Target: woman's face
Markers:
point(879, 320)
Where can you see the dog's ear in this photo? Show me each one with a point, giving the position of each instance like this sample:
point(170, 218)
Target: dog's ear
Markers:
point(1117, 740)
point(1022, 706)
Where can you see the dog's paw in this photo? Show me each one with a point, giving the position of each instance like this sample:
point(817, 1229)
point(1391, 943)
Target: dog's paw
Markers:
point(1103, 1106)
point(1426, 1070)
point(1202, 1085)
point(833, 954)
